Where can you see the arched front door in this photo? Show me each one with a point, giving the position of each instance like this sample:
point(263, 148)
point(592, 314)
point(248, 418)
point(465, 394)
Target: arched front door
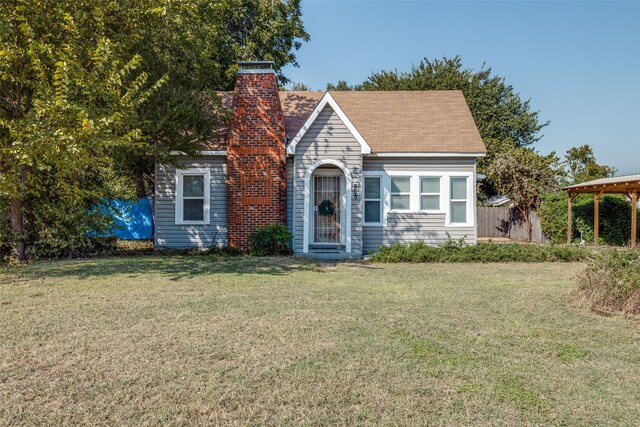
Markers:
point(328, 207)
point(326, 204)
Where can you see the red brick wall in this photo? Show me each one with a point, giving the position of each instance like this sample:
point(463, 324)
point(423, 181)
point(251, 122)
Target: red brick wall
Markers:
point(256, 162)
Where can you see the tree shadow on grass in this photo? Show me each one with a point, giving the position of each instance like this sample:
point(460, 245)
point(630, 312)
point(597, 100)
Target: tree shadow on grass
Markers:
point(175, 267)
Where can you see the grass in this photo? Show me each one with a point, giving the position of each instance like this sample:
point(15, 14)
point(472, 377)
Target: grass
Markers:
point(185, 340)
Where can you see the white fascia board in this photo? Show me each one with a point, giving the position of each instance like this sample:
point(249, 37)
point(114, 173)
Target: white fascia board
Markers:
point(427, 154)
point(201, 152)
point(328, 99)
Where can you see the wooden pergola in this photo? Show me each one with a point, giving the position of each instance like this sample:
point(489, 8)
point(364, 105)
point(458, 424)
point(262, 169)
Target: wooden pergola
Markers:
point(628, 185)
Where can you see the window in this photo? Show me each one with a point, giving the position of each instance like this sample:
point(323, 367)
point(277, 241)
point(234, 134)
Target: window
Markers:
point(400, 193)
point(192, 196)
point(372, 199)
point(458, 200)
point(430, 193)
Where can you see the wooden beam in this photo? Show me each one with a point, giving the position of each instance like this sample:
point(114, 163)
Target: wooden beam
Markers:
point(569, 219)
point(634, 214)
point(596, 218)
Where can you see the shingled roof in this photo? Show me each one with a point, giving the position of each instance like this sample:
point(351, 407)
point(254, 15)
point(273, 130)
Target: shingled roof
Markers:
point(394, 122)
point(397, 122)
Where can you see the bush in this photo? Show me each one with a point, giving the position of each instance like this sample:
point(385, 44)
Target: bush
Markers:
point(615, 218)
point(611, 282)
point(56, 230)
point(270, 240)
point(482, 252)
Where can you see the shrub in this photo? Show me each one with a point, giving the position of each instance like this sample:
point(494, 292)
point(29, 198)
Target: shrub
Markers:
point(615, 218)
point(270, 240)
point(56, 230)
point(482, 252)
point(611, 282)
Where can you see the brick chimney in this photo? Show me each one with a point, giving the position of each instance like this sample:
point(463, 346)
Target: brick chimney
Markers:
point(256, 159)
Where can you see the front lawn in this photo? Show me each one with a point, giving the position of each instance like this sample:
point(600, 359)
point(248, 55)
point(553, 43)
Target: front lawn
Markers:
point(201, 340)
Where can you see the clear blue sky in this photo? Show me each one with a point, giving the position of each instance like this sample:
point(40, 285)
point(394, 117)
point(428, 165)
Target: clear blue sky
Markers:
point(579, 62)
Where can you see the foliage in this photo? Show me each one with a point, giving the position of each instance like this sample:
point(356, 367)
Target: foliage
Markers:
point(611, 282)
point(524, 176)
point(94, 91)
point(342, 85)
point(270, 240)
point(615, 218)
point(197, 44)
point(326, 208)
point(581, 166)
point(481, 252)
point(504, 120)
point(68, 102)
point(298, 86)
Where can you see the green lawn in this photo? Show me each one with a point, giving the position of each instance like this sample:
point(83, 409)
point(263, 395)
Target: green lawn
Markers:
point(200, 340)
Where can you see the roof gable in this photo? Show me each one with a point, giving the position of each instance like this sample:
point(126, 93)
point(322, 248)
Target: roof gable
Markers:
point(327, 99)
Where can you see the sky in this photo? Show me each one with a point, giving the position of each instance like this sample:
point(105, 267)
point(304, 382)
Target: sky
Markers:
point(578, 62)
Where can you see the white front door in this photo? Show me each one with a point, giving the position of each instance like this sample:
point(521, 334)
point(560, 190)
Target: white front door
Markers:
point(328, 207)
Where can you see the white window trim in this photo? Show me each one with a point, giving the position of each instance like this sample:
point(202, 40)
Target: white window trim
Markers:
point(445, 191)
point(410, 193)
point(380, 199)
point(439, 194)
point(470, 216)
point(179, 210)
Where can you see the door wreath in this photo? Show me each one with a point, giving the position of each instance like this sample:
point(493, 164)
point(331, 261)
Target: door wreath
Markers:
point(325, 208)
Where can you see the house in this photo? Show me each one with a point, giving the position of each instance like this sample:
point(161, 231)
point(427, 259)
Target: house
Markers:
point(346, 171)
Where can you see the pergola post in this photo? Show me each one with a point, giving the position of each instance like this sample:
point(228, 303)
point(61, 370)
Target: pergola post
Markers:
point(569, 219)
point(596, 217)
point(634, 214)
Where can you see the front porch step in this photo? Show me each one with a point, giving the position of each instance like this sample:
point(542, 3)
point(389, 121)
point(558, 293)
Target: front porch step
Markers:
point(326, 248)
point(330, 255)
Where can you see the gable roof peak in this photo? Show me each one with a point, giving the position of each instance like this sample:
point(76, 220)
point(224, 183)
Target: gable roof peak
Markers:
point(328, 100)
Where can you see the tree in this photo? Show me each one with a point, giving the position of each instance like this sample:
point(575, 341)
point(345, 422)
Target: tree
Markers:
point(581, 166)
point(525, 176)
point(93, 93)
point(342, 86)
point(299, 86)
point(197, 44)
point(68, 101)
point(504, 120)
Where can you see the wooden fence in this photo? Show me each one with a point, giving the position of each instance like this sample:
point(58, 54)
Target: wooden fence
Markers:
point(505, 222)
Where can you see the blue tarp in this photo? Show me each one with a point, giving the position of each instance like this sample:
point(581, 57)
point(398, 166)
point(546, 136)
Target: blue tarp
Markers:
point(133, 219)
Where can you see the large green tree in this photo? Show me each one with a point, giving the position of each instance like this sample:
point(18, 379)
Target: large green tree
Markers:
point(525, 176)
point(93, 92)
point(198, 44)
point(581, 166)
point(505, 120)
point(68, 102)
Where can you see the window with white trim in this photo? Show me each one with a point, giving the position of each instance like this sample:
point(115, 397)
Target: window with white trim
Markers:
point(373, 200)
point(430, 193)
point(192, 196)
point(458, 199)
point(400, 193)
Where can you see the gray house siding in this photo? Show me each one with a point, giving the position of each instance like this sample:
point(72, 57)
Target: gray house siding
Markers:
point(407, 227)
point(170, 235)
point(327, 138)
point(290, 194)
